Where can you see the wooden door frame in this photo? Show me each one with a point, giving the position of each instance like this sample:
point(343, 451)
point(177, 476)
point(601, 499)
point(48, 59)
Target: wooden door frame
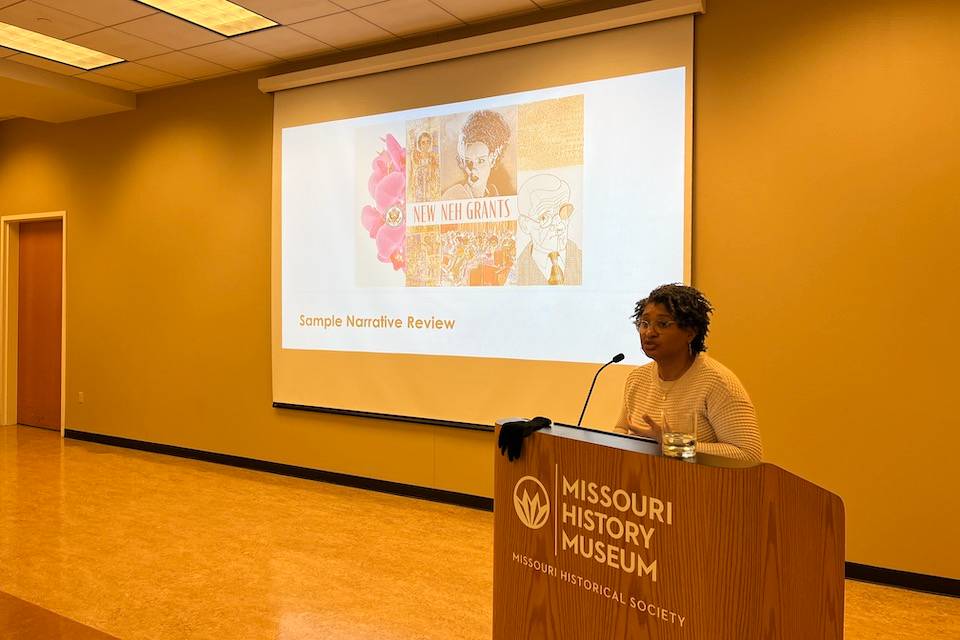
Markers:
point(9, 310)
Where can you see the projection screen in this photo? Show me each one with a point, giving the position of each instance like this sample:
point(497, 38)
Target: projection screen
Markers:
point(465, 240)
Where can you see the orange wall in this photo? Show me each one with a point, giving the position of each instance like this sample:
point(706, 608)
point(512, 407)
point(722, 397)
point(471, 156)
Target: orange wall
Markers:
point(826, 222)
point(824, 230)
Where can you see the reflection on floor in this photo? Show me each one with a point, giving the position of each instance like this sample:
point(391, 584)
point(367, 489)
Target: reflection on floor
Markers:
point(140, 545)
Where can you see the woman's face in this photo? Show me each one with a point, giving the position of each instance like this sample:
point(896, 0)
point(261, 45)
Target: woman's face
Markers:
point(661, 337)
point(477, 162)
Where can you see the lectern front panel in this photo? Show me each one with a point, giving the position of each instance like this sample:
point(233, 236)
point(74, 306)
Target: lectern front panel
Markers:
point(595, 541)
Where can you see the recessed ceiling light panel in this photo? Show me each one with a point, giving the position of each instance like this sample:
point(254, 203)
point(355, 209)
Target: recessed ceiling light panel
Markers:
point(38, 44)
point(226, 18)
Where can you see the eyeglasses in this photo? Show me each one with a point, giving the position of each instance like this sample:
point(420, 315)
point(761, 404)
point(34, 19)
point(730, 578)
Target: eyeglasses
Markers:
point(661, 325)
point(546, 219)
point(550, 216)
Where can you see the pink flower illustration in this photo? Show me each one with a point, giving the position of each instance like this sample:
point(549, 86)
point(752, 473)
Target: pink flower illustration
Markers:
point(385, 220)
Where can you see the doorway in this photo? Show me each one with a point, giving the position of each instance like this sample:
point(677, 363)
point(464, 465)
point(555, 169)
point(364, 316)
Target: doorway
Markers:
point(32, 287)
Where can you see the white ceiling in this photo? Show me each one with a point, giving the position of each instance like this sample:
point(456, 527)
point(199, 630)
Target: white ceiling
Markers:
point(162, 50)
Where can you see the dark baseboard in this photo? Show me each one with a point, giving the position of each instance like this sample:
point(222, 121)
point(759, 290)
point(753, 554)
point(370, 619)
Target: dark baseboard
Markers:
point(347, 480)
point(903, 579)
point(854, 571)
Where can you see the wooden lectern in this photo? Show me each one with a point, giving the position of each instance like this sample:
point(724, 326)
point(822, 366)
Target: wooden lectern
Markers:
point(597, 536)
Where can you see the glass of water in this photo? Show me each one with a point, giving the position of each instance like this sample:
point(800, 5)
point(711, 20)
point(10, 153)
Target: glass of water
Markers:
point(679, 437)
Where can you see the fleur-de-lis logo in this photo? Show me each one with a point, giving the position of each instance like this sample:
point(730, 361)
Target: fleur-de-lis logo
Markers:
point(533, 510)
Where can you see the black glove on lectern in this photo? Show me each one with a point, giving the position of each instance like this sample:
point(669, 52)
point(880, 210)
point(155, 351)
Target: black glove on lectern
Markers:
point(513, 433)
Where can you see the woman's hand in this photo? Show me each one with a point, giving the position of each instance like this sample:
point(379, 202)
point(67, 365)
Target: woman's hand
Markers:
point(655, 428)
point(651, 429)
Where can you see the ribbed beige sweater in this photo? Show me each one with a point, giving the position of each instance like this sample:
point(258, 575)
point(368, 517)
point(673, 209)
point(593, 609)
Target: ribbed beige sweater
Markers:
point(726, 420)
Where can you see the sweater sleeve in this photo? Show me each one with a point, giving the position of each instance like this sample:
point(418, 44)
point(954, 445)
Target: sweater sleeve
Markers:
point(734, 421)
point(624, 420)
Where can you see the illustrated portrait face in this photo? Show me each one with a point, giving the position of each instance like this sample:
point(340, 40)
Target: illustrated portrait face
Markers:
point(481, 142)
point(424, 141)
point(545, 211)
point(477, 162)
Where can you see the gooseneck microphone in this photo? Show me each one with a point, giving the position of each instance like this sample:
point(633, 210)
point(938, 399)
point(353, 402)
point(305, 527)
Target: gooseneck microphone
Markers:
point(616, 358)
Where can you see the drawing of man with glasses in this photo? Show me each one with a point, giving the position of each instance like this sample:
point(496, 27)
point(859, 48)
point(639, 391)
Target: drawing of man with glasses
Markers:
point(551, 257)
point(480, 146)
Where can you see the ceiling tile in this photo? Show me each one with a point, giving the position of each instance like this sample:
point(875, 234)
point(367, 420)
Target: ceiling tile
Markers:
point(99, 78)
point(353, 4)
point(232, 54)
point(290, 11)
point(184, 65)
point(51, 22)
point(138, 74)
point(343, 30)
point(120, 44)
point(106, 12)
point(43, 63)
point(283, 42)
point(407, 17)
point(473, 11)
point(169, 31)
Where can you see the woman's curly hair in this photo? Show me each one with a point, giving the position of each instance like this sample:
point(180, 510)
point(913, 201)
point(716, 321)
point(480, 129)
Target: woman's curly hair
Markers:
point(488, 127)
point(689, 308)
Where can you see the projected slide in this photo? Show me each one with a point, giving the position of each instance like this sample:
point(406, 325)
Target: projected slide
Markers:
point(517, 226)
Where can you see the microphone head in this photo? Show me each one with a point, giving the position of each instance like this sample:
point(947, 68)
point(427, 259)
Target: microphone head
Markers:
point(618, 357)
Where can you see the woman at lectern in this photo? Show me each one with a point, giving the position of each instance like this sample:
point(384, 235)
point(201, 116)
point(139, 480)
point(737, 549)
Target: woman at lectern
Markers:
point(673, 322)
